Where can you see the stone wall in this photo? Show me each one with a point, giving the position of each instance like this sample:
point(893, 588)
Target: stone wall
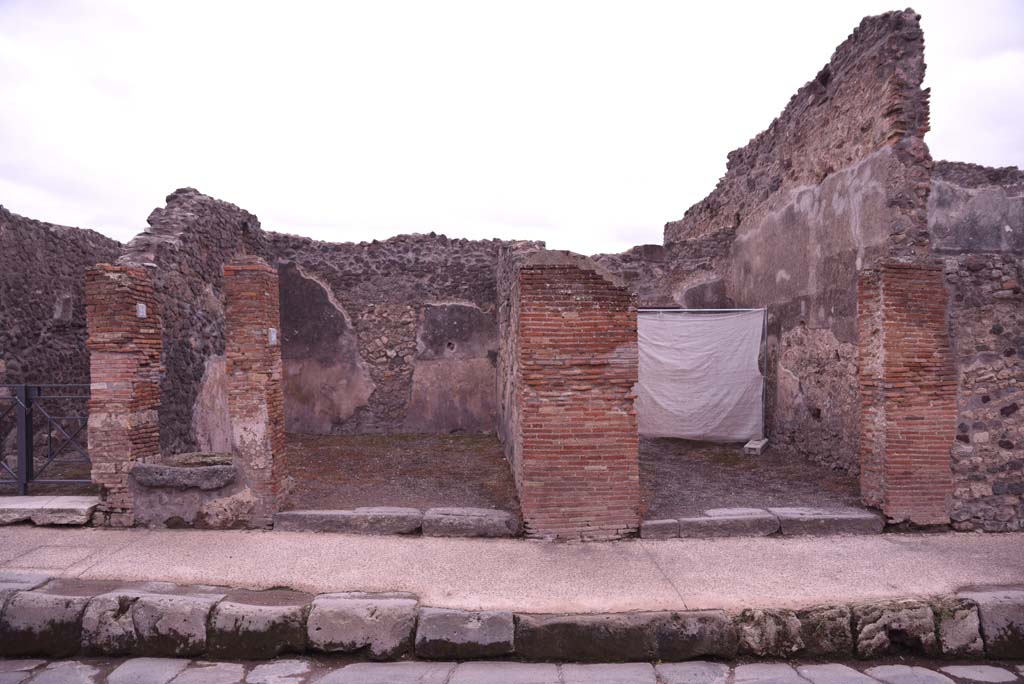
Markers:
point(42, 299)
point(976, 216)
point(837, 182)
point(569, 365)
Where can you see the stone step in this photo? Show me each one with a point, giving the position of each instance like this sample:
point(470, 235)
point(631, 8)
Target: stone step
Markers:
point(47, 510)
point(434, 522)
point(761, 522)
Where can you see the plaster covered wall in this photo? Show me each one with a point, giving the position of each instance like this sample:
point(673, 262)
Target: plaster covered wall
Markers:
point(837, 182)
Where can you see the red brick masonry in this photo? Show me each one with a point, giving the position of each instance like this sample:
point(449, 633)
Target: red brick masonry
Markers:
point(908, 393)
point(124, 343)
point(255, 398)
point(578, 473)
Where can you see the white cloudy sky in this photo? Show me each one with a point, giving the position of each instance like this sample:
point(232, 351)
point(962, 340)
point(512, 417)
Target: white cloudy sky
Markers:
point(588, 124)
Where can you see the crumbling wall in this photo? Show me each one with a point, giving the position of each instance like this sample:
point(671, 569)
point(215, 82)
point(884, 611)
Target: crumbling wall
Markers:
point(838, 182)
point(976, 216)
point(42, 299)
point(404, 330)
point(569, 363)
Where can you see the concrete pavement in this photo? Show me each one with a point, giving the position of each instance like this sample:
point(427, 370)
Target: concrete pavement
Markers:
point(483, 574)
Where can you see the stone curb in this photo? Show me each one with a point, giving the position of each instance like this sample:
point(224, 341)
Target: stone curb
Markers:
point(760, 522)
point(434, 522)
point(61, 618)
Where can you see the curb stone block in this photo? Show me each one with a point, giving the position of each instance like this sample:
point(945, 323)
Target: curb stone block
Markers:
point(729, 526)
point(696, 672)
point(825, 631)
point(685, 635)
point(659, 529)
point(1002, 621)
point(894, 628)
point(772, 632)
point(383, 624)
point(827, 521)
point(107, 625)
point(172, 625)
point(607, 637)
point(959, 628)
point(463, 635)
point(469, 522)
point(256, 632)
point(13, 581)
point(37, 623)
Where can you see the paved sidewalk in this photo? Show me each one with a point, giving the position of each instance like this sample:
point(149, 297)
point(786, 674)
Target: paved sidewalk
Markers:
point(539, 577)
point(309, 671)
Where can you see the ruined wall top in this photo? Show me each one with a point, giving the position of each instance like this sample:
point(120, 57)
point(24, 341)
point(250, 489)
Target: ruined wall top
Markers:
point(976, 176)
point(867, 96)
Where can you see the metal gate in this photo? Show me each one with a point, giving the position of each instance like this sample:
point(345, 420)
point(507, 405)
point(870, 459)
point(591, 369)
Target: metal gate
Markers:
point(48, 424)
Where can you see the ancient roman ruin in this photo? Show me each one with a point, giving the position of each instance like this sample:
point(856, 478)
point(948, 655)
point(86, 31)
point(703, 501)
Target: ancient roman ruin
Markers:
point(895, 330)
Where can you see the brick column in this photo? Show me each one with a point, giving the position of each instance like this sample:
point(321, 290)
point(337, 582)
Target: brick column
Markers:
point(124, 343)
point(577, 462)
point(255, 399)
point(908, 392)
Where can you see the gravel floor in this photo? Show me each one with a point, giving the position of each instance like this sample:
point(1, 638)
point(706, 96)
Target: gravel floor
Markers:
point(419, 471)
point(683, 478)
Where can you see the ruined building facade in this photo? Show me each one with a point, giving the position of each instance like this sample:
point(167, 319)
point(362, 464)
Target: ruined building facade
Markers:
point(892, 284)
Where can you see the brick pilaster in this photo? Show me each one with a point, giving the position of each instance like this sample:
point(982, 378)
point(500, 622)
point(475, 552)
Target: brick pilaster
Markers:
point(124, 342)
point(908, 392)
point(255, 399)
point(578, 466)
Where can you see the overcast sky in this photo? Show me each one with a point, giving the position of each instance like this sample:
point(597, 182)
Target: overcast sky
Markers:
point(586, 124)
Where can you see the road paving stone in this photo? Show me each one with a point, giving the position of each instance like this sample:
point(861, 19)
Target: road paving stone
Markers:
point(147, 671)
point(833, 673)
point(505, 673)
point(695, 672)
point(280, 672)
point(68, 672)
point(616, 673)
point(906, 674)
point(767, 673)
point(390, 673)
point(211, 673)
point(980, 673)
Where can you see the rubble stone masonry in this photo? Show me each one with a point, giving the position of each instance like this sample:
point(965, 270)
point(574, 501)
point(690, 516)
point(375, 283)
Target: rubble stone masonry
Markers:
point(254, 381)
point(124, 326)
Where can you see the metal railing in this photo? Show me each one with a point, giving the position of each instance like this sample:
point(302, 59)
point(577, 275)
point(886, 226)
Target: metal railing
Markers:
point(58, 411)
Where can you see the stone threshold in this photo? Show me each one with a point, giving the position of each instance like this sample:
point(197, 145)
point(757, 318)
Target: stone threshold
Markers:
point(60, 618)
point(764, 522)
point(433, 522)
point(47, 510)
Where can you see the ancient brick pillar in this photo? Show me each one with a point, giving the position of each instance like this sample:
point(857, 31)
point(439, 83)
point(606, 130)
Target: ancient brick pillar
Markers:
point(124, 342)
point(576, 459)
point(255, 399)
point(908, 392)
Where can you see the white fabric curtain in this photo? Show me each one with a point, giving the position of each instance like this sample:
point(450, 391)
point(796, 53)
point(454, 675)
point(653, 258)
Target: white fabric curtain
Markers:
point(699, 377)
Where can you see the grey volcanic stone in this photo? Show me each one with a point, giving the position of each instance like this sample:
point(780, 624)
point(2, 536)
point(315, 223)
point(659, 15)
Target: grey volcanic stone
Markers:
point(107, 624)
point(659, 529)
point(469, 522)
point(462, 635)
point(959, 628)
point(379, 520)
point(147, 671)
point(38, 623)
point(774, 633)
point(980, 673)
point(211, 673)
point(734, 512)
point(826, 521)
point(505, 673)
point(47, 510)
point(279, 672)
point(825, 631)
point(697, 672)
point(17, 671)
point(206, 478)
point(68, 672)
point(895, 628)
point(1002, 621)
point(905, 674)
point(13, 581)
point(619, 673)
point(766, 673)
point(172, 625)
point(587, 638)
point(746, 525)
point(686, 635)
point(390, 673)
point(246, 631)
point(833, 674)
point(382, 624)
